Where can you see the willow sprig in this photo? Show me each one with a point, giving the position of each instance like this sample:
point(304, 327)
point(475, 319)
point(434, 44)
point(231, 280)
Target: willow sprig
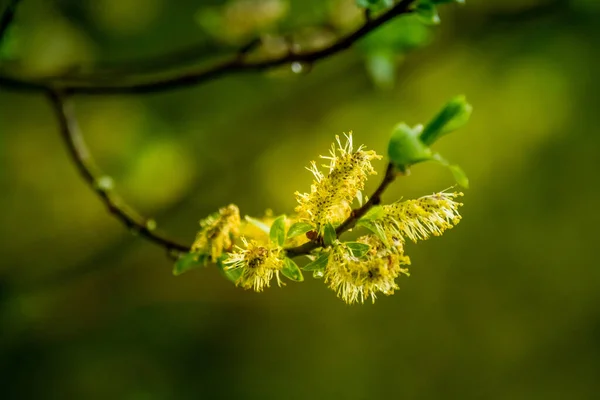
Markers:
point(254, 251)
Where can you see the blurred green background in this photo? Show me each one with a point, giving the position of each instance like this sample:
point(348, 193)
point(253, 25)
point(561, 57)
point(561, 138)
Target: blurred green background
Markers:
point(505, 306)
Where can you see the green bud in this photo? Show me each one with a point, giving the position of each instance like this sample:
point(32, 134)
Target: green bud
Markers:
point(455, 114)
point(406, 148)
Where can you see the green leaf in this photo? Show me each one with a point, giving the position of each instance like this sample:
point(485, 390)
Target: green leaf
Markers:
point(359, 198)
point(259, 224)
point(211, 21)
point(231, 274)
point(291, 270)
point(455, 114)
point(375, 5)
point(406, 148)
point(357, 249)
point(329, 235)
point(398, 36)
point(374, 213)
point(381, 66)
point(459, 175)
point(427, 12)
point(447, 1)
point(190, 261)
point(375, 229)
point(299, 228)
point(277, 232)
point(11, 42)
point(318, 264)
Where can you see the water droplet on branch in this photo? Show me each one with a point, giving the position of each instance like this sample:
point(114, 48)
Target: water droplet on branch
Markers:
point(151, 224)
point(300, 67)
point(105, 183)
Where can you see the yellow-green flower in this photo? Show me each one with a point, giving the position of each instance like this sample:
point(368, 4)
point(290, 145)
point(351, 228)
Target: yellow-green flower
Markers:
point(357, 279)
point(420, 218)
point(258, 264)
point(217, 232)
point(331, 194)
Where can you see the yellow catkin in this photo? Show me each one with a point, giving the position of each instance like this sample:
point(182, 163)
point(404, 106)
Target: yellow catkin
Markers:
point(421, 218)
point(217, 232)
point(331, 194)
point(258, 264)
point(356, 280)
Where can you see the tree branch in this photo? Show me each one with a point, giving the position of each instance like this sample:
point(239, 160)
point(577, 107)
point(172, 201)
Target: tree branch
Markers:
point(390, 175)
point(178, 58)
point(148, 84)
point(58, 90)
point(80, 154)
point(7, 17)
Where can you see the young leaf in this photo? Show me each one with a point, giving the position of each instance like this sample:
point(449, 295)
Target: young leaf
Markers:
point(459, 175)
point(299, 228)
point(277, 232)
point(374, 213)
point(447, 1)
point(455, 114)
point(329, 235)
point(357, 249)
point(291, 270)
point(259, 224)
point(427, 12)
point(231, 274)
point(406, 148)
point(359, 198)
point(375, 229)
point(375, 5)
point(318, 264)
point(189, 261)
point(381, 66)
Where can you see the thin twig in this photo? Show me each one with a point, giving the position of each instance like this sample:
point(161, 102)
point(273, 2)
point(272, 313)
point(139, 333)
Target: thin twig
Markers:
point(7, 17)
point(176, 59)
point(160, 82)
point(390, 175)
point(80, 154)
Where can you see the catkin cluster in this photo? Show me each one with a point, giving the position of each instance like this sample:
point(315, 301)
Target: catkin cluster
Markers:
point(254, 251)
